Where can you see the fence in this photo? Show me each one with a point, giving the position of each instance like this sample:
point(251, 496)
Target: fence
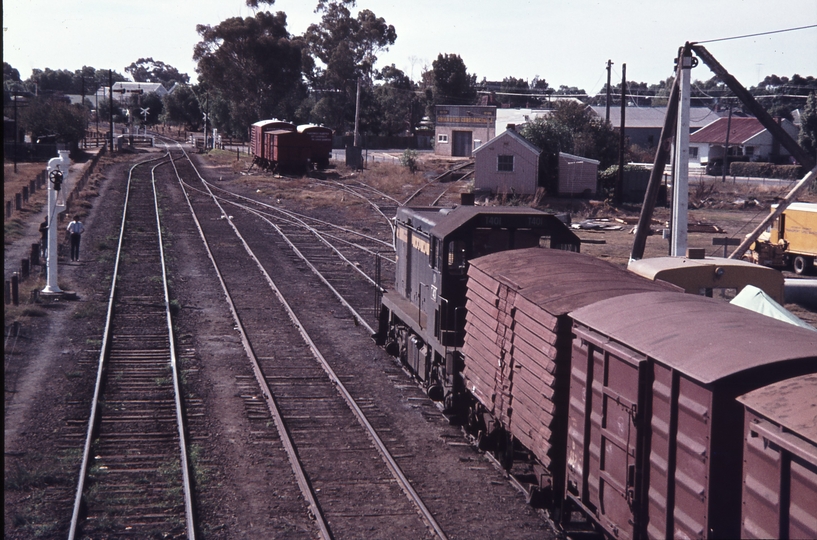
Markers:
point(39, 182)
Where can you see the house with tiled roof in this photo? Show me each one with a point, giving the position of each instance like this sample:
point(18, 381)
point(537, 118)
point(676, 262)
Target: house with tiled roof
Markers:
point(747, 138)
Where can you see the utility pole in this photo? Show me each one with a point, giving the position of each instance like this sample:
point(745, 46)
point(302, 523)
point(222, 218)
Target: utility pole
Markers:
point(726, 146)
point(110, 103)
point(14, 96)
point(357, 115)
point(680, 187)
point(607, 115)
point(619, 195)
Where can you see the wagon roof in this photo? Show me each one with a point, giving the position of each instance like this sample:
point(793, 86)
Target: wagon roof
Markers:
point(562, 281)
point(704, 338)
point(791, 403)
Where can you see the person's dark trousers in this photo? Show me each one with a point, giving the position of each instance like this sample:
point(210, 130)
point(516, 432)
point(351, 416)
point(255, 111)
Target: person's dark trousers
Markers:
point(75, 238)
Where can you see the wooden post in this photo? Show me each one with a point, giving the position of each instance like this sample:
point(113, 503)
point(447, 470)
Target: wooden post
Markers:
point(15, 289)
point(619, 195)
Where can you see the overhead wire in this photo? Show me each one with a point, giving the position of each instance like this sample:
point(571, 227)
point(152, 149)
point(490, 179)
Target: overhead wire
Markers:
point(757, 34)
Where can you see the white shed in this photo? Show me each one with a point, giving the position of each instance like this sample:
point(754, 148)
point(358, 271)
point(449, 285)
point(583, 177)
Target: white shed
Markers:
point(577, 175)
point(507, 164)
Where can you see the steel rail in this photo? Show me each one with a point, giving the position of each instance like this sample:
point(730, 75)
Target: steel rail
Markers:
point(188, 491)
point(322, 236)
point(286, 440)
point(103, 354)
point(361, 417)
point(293, 215)
point(437, 179)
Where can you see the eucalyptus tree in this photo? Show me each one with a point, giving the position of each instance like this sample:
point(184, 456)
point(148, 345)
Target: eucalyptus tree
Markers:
point(254, 64)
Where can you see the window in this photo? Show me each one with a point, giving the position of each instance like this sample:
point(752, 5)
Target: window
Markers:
point(504, 163)
point(693, 151)
point(442, 138)
point(457, 260)
point(749, 151)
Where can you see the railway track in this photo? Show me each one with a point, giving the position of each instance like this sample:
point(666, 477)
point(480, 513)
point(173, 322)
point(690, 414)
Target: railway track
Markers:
point(350, 481)
point(134, 475)
point(430, 193)
point(352, 262)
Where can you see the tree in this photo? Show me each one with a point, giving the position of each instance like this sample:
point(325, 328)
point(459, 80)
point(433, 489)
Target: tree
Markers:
point(808, 126)
point(781, 95)
point(155, 71)
point(551, 138)
point(452, 83)
point(344, 49)
point(154, 105)
point(47, 116)
point(62, 81)
point(10, 74)
point(254, 64)
point(571, 128)
point(512, 85)
point(398, 105)
point(181, 107)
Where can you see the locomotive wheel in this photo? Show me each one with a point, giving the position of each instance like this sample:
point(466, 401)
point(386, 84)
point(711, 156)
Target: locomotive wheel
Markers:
point(802, 265)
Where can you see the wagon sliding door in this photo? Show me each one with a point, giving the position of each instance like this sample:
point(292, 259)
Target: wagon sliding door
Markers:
point(605, 433)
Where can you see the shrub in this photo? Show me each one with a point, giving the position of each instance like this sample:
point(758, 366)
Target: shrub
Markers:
point(766, 170)
point(409, 160)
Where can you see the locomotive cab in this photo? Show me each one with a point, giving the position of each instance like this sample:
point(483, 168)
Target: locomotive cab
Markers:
point(422, 319)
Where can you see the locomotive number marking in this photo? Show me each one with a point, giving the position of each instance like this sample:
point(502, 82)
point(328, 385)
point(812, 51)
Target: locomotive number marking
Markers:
point(420, 245)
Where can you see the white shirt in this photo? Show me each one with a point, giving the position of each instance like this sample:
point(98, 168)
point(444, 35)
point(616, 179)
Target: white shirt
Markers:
point(76, 227)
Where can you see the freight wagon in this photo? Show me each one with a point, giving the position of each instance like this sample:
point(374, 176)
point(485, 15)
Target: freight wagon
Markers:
point(780, 460)
point(283, 147)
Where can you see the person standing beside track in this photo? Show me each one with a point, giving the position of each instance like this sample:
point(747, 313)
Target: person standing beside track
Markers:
point(76, 228)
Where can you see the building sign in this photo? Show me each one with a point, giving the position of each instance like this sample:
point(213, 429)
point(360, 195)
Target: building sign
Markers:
point(466, 116)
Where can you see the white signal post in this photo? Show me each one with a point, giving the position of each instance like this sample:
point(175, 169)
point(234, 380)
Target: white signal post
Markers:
point(57, 170)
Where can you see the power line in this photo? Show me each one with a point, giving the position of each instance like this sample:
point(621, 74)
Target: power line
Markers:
point(758, 34)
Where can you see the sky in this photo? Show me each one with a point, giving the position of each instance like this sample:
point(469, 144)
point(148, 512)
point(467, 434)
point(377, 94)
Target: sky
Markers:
point(565, 42)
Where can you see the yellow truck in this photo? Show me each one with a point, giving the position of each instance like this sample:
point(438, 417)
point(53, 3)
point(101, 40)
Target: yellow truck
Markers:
point(791, 239)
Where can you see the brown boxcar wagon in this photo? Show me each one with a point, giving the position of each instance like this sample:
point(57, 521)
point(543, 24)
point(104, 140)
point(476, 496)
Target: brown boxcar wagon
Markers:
point(259, 147)
point(320, 144)
point(780, 460)
point(655, 432)
point(288, 150)
point(518, 338)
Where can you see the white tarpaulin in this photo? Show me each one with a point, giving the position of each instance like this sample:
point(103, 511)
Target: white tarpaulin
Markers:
point(756, 300)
